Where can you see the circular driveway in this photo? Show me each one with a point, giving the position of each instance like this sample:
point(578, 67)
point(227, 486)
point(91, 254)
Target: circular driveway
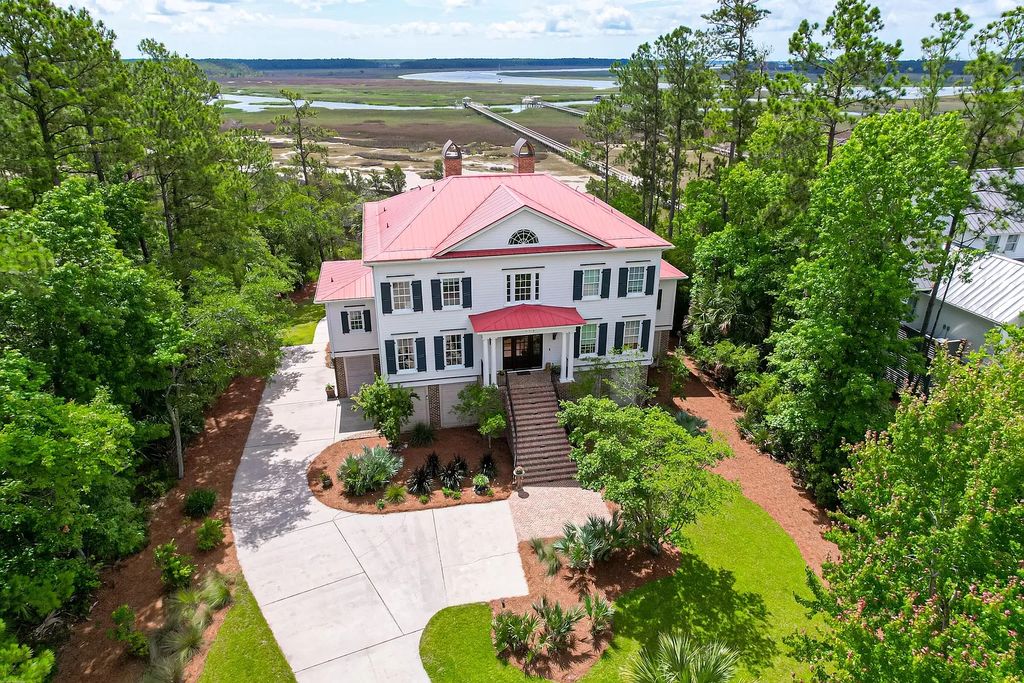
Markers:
point(347, 595)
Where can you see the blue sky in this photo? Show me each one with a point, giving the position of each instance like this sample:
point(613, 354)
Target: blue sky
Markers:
point(461, 28)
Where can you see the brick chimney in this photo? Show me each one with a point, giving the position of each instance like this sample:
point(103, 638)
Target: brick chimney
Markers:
point(452, 155)
point(523, 157)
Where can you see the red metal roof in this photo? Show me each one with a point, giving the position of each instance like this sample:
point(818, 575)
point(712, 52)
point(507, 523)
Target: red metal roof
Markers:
point(342, 280)
point(525, 317)
point(426, 221)
point(510, 251)
point(670, 272)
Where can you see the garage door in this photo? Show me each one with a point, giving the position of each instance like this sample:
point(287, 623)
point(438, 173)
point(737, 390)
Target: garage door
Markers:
point(358, 371)
point(419, 407)
point(449, 399)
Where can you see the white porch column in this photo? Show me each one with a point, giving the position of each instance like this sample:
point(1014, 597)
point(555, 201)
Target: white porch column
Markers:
point(495, 346)
point(569, 360)
point(487, 361)
point(563, 362)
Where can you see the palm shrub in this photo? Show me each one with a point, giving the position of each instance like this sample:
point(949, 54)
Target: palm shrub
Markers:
point(210, 534)
point(369, 471)
point(513, 633)
point(547, 555)
point(600, 612)
point(420, 482)
point(558, 623)
point(451, 476)
point(422, 435)
point(677, 659)
point(199, 502)
point(594, 541)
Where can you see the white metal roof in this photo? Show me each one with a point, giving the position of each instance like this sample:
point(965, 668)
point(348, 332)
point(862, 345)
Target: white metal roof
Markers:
point(995, 290)
point(996, 214)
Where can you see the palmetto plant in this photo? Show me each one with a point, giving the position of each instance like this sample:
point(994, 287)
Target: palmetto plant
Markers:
point(513, 632)
point(600, 612)
point(713, 311)
point(547, 555)
point(677, 659)
point(558, 623)
point(369, 471)
point(594, 541)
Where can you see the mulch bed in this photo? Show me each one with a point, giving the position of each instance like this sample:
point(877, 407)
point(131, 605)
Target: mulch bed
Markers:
point(626, 570)
point(766, 481)
point(210, 462)
point(464, 441)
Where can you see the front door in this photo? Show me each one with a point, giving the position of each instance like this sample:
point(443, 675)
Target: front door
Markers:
point(522, 353)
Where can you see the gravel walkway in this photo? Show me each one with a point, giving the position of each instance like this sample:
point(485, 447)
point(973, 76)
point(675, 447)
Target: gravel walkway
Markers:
point(767, 482)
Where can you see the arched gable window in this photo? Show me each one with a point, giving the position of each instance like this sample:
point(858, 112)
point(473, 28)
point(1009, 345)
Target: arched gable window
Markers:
point(523, 237)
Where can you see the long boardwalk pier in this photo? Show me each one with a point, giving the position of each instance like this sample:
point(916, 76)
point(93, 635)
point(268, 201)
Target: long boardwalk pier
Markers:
point(551, 143)
point(562, 107)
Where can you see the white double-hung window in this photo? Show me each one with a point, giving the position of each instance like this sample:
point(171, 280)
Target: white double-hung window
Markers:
point(588, 340)
point(592, 283)
point(631, 335)
point(635, 279)
point(355, 321)
point(1011, 243)
point(401, 295)
point(453, 356)
point(405, 354)
point(451, 292)
point(522, 287)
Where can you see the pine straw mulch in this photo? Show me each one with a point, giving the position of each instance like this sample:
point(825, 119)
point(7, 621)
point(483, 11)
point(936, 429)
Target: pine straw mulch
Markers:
point(464, 441)
point(625, 571)
point(210, 462)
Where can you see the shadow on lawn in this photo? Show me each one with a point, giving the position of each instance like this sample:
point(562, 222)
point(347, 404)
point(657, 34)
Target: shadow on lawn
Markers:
point(702, 602)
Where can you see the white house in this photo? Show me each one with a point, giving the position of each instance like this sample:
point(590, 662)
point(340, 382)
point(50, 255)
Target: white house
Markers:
point(992, 296)
point(473, 276)
point(995, 225)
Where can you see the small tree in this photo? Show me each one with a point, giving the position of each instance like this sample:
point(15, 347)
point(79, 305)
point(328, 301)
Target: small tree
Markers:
point(389, 407)
point(483, 404)
point(644, 461)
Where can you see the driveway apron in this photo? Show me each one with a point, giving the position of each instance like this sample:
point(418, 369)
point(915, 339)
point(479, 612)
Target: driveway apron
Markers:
point(347, 595)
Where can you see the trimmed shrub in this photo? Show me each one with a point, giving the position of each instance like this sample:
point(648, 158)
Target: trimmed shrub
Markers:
point(480, 483)
point(199, 502)
point(175, 570)
point(369, 471)
point(124, 631)
point(210, 534)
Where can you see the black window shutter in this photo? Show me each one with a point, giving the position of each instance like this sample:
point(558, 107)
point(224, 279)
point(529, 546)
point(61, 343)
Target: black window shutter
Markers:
point(645, 335)
point(659, 298)
point(577, 285)
point(417, 295)
point(421, 354)
point(606, 283)
point(389, 355)
point(620, 331)
point(435, 294)
point(467, 347)
point(367, 320)
point(439, 353)
point(602, 339)
point(467, 293)
point(623, 276)
point(344, 322)
point(385, 297)
point(576, 343)
point(650, 280)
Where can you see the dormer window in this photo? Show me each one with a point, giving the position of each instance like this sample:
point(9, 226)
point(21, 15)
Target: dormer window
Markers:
point(523, 237)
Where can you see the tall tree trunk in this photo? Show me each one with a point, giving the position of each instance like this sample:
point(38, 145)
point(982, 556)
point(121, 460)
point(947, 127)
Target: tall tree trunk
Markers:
point(607, 167)
point(94, 150)
point(674, 193)
point(145, 248)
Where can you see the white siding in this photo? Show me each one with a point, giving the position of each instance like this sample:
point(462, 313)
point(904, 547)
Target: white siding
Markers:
point(548, 232)
point(355, 342)
point(663, 321)
point(961, 324)
point(488, 293)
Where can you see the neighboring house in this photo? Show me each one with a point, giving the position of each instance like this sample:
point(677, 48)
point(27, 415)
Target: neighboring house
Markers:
point(996, 225)
point(992, 296)
point(472, 276)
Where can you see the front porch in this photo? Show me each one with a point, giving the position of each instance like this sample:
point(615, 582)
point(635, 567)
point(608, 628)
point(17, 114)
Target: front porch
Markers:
point(527, 337)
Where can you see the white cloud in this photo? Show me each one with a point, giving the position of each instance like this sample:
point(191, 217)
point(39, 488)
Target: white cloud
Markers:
point(614, 18)
point(582, 18)
point(452, 5)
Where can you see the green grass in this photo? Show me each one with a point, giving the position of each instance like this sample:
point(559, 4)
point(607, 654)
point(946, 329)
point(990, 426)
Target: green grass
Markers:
point(244, 646)
point(300, 322)
point(737, 582)
point(339, 118)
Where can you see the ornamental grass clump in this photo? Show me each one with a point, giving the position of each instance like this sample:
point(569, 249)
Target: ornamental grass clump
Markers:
point(370, 471)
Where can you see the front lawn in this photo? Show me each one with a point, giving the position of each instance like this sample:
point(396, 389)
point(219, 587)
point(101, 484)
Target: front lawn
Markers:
point(738, 582)
point(300, 322)
point(244, 645)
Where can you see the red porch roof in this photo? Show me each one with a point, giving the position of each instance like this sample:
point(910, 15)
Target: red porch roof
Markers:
point(525, 317)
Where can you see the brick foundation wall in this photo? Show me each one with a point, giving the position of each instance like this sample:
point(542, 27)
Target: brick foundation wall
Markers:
point(340, 382)
point(434, 405)
point(376, 364)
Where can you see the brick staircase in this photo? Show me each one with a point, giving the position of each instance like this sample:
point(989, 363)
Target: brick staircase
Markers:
point(539, 443)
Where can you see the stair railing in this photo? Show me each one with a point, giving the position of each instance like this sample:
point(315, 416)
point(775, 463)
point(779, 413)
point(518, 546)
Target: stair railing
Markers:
point(506, 394)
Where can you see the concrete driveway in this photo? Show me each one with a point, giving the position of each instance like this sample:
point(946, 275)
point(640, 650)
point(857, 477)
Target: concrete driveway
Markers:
point(347, 595)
